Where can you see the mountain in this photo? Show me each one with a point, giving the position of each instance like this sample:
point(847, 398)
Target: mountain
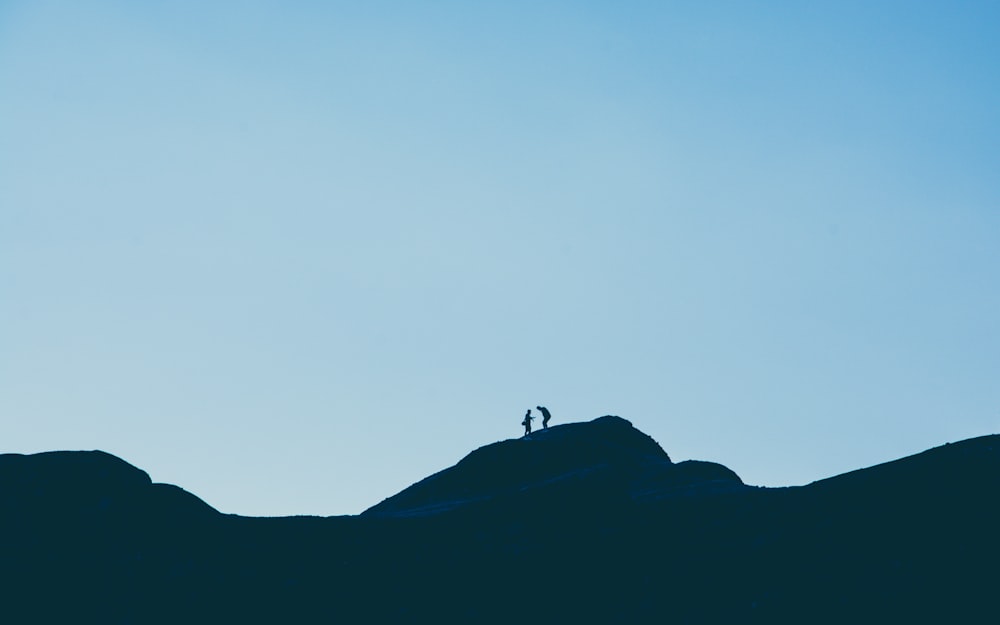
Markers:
point(585, 522)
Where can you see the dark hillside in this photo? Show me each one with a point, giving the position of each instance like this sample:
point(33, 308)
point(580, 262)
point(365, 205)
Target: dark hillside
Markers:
point(586, 522)
point(606, 457)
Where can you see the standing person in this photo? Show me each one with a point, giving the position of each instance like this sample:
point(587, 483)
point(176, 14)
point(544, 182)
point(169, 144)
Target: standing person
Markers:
point(545, 415)
point(527, 422)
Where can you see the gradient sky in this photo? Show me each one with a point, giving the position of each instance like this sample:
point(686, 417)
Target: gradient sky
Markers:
point(294, 256)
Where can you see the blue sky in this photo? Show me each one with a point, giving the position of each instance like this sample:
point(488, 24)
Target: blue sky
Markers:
point(295, 256)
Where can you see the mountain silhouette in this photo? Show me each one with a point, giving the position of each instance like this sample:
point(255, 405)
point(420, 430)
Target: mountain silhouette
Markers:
point(584, 522)
point(604, 458)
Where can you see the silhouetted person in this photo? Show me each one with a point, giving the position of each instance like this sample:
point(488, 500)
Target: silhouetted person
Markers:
point(527, 422)
point(545, 415)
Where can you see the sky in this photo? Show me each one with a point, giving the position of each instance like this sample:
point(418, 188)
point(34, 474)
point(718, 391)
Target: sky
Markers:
point(295, 256)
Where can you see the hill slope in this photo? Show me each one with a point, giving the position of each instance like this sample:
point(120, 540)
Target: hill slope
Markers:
point(588, 522)
point(606, 457)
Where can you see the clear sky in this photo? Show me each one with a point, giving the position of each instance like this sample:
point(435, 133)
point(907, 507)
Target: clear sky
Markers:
point(294, 256)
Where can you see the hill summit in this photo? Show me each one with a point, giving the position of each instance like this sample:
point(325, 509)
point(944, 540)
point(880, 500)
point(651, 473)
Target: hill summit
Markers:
point(603, 458)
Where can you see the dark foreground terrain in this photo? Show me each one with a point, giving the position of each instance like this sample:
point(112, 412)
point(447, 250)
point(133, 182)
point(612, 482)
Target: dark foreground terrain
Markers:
point(586, 522)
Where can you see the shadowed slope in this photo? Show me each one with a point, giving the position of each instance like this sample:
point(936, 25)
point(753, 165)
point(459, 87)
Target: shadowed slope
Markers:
point(584, 523)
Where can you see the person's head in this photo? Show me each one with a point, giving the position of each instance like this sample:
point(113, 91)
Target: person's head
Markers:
point(538, 407)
